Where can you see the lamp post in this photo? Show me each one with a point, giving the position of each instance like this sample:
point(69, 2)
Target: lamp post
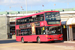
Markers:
point(23, 10)
point(54, 6)
point(67, 5)
point(43, 7)
point(26, 6)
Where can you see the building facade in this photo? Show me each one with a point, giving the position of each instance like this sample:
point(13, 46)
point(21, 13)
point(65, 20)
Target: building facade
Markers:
point(4, 27)
point(68, 18)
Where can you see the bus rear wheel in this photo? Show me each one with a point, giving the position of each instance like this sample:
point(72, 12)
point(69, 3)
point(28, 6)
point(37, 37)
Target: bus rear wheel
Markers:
point(22, 40)
point(38, 40)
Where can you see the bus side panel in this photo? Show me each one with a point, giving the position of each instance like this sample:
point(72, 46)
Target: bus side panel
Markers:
point(30, 38)
point(33, 38)
point(18, 38)
point(26, 38)
point(43, 38)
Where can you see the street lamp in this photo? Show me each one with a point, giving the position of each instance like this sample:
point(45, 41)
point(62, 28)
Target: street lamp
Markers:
point(43, 7)
point(22, 10)
point(54, 6)
point(67, 5)
point(26, 6)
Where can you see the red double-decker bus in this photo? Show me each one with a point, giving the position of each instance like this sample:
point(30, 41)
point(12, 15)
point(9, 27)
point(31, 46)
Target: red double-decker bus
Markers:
point(39, 27)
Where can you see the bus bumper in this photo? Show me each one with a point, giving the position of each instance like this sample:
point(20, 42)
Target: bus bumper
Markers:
point(60, 39)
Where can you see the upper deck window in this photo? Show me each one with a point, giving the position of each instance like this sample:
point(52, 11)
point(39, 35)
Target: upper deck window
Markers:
point(30, 19)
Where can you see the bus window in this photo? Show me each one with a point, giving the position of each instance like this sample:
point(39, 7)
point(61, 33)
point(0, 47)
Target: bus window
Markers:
point(54, 30)
point(39, 18)
point(52, 16)
point(22, 21)
point(28, 20)
point(38, 31)
point(25, 20)
point(17, 33)
point(31, 19)
point(18, 22)
point(25, 32)
point(35, 19)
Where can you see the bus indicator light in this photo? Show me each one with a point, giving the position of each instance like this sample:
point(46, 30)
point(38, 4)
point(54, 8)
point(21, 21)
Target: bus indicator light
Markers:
point(43, 28)
point(46, 36)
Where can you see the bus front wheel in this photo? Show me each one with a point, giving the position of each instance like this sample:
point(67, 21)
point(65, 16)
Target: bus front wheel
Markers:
point(22, 40)
point(38, 40)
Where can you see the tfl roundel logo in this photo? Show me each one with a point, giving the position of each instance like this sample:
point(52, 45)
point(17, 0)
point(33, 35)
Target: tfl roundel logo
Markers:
point(41, 24)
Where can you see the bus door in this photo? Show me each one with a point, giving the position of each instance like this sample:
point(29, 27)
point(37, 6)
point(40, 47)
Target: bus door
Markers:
point(38, 31)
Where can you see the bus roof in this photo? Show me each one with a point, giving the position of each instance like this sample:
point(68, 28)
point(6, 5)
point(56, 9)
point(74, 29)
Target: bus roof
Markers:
point(34, 14)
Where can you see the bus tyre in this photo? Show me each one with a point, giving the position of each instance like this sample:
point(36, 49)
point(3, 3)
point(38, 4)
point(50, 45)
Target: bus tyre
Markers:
point(22, 40)
point(38, 40)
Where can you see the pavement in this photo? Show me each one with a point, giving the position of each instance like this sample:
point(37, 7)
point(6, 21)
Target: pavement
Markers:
point(7, 41)
point(69, 41)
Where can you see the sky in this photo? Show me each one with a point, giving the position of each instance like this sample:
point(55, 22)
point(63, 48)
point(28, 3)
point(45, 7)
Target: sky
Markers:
point(20, 5)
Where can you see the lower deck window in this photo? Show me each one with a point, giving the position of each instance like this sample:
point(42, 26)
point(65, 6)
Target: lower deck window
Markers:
point(25, 32)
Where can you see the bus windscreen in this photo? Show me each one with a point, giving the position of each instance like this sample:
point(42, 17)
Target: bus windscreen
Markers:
point(52, 16)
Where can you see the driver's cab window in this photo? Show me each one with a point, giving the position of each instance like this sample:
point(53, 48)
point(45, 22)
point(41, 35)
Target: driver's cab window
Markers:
point(53, 30)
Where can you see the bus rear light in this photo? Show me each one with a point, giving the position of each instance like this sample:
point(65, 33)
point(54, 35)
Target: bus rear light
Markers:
point(61, 36)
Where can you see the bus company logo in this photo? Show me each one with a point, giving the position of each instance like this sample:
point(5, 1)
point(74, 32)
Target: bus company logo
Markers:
point(42, 24)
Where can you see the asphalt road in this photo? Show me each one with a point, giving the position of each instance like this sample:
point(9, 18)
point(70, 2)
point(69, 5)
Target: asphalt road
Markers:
point(7, 41)
point(14, 45)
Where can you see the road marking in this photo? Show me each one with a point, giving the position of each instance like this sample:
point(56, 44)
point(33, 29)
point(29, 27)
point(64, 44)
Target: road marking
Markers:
point(18, 45)
point(66, 47)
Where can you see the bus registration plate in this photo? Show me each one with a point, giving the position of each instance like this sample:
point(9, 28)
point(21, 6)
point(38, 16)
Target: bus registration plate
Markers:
point(55, 39)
